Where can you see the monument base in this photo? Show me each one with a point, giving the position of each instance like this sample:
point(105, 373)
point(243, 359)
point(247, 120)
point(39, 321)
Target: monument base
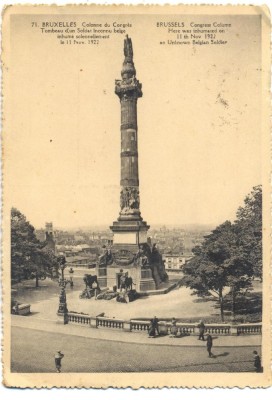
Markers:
point(146, 281)
point(128, 259)
point(141, 280)
point(129, 232)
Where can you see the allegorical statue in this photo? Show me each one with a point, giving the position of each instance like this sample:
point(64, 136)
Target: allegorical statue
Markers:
point(105, 258)
point(129, 198)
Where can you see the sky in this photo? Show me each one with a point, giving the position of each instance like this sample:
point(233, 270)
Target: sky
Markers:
point(199, 123)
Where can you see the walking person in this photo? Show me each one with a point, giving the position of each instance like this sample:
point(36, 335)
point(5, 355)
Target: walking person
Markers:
point(209, 345)
point(257, 362)
point(201, 327)
point(58, 357)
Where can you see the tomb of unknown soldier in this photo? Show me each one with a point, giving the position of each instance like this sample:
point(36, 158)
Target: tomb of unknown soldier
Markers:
point(132, 261)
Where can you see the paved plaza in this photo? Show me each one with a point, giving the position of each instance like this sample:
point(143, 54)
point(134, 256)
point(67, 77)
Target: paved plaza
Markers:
point(178, 303)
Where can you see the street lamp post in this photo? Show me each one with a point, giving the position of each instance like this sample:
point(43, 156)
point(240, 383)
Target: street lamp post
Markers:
point(62, 310)
point(62, 271)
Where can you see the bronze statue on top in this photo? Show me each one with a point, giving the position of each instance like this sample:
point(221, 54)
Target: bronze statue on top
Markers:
point(128, 51)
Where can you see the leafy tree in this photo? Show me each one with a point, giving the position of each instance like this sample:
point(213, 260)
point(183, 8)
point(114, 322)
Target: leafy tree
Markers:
point(29, 259)
point(249, 225)
point(219, 263)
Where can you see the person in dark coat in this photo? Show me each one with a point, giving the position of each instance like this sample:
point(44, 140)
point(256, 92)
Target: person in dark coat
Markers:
point(154, 327)
point(201, 327)
point(58, 357)
point(257, 362)
point(209, 345)
point(151, 330)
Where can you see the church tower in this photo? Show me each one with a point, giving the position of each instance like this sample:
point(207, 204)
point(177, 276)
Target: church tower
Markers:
point(50, 243)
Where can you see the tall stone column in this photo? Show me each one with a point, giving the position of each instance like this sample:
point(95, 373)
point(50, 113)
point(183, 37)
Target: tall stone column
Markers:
point(129, 89)
point(128, 252)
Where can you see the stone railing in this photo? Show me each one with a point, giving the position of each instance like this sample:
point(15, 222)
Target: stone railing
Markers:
point(183, 328)
point(138, 325)
point(105, 322)
point(164, 326)
point(249, 329)
point(78, 318)
point(217, 329)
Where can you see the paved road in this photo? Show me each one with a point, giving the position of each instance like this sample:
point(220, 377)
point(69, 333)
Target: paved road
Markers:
point(33, 351)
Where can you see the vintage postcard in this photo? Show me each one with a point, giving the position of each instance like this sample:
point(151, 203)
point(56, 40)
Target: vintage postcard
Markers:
point(136, 192)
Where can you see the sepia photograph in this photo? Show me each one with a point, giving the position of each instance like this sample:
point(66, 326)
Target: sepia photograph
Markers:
point(136, 196)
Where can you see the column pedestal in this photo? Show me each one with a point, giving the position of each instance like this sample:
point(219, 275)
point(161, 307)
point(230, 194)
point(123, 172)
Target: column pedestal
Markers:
point(146, 281)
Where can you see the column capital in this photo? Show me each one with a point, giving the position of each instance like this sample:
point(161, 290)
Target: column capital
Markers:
point(129, 88)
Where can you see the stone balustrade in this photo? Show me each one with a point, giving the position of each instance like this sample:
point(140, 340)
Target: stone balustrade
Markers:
point(249, 329)
point(78, 318)
point(105, 322)
point(138, 325)
point(184, 328)
point(217, 329)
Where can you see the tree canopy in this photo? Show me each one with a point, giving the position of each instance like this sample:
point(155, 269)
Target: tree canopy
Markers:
point(249, 224)
point(29, 258)
point(230, 256)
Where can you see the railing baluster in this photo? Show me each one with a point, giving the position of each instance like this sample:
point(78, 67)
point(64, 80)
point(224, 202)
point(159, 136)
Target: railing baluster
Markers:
point(183, 328)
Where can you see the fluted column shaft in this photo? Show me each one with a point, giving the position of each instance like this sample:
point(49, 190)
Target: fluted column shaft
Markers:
point(129, 143)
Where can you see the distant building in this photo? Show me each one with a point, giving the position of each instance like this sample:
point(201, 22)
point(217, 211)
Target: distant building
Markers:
point(81, 261)
point(80, 249)
point(88, 249)
point(175, 261)
point(78, 238)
